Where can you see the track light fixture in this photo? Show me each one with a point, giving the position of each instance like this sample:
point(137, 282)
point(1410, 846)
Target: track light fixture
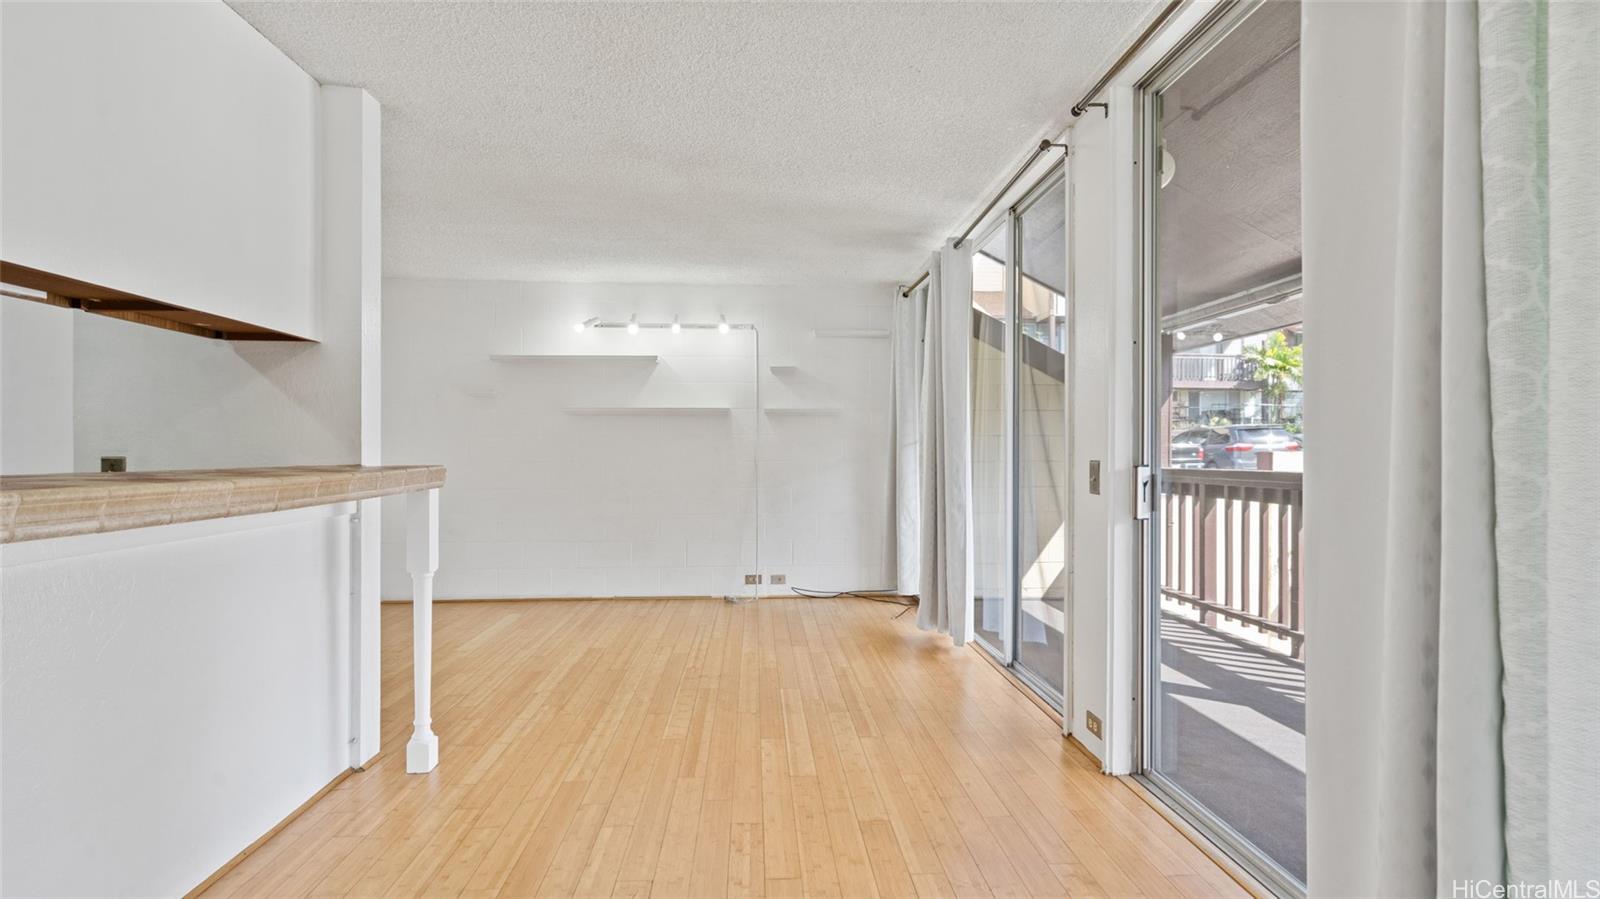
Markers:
point(676, 325)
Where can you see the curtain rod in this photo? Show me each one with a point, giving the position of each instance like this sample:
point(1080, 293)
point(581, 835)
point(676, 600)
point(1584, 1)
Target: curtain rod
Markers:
point(1077, 110)
point(914, 284)
point(1083, 105)
point(1044, 146)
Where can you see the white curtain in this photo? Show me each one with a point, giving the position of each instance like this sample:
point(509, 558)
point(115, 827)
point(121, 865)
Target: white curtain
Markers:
point(1440, 706)
point(944, 583)
point(910, 324)
point(1540, 78)
point(1484, 746)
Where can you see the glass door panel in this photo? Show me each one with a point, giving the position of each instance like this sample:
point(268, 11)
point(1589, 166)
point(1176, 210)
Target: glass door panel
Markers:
point(991, 448)
point(1041, 439)
point(1226, 735)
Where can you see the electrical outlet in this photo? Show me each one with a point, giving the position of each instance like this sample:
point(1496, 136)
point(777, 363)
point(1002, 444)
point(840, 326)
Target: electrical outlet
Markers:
point(1094, 477)
point(752, 579)
point(113, 463)
point(779, 579)
point(1093, 722)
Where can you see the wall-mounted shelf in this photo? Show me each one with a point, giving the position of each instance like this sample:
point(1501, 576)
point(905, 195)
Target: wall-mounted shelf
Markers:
point(783, 369)
point(593, 357)
point(803, 410)
point(852, 333)
point(648, 410)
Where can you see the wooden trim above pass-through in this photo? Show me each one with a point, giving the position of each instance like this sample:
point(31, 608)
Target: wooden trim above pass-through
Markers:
point(71, 293)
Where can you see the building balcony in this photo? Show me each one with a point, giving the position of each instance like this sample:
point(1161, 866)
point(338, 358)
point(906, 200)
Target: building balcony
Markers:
point(1217, 372)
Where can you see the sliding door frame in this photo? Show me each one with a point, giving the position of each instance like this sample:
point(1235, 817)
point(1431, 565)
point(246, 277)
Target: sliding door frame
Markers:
point(1205, 36)
point(1006, 654)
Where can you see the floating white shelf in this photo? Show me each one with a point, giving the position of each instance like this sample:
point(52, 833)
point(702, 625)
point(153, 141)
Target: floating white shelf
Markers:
point(782, 369)
point(803, 410)
point(857, 333)
point(649, 410)
point(545, 357)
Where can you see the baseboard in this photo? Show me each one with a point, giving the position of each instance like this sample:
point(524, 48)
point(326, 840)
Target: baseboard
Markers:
point(406, 600)
point(276, 828)
point(440, 599)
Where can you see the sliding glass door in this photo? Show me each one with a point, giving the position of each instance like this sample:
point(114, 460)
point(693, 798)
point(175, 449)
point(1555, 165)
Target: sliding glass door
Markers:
point(1225, 683)
point(1019, 438)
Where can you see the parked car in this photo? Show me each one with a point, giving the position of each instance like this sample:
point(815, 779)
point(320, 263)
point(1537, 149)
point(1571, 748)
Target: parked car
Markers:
point(1186, 448)
point(1235, 446)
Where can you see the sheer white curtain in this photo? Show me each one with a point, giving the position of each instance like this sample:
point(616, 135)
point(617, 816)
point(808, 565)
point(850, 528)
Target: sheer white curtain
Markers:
point(910, 324)
point(1483, 752)
point(944, 581)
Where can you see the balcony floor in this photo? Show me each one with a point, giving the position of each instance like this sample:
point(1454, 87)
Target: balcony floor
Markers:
point(1232, 734)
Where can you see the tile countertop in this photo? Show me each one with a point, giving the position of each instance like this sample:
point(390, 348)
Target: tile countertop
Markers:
point(37, 507)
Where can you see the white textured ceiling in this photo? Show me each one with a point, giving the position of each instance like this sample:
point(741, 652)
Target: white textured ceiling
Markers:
point(738, 143)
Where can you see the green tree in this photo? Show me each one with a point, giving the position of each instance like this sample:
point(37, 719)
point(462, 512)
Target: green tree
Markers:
point(1278, 367)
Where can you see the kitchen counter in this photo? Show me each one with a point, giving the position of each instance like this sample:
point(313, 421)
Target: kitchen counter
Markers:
point(207, 643)
point(36, 507)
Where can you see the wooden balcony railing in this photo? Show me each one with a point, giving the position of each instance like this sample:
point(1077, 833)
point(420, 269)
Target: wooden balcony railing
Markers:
point(1230, 548)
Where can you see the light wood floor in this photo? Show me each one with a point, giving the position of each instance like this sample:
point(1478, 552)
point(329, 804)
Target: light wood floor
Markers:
point(677, 747)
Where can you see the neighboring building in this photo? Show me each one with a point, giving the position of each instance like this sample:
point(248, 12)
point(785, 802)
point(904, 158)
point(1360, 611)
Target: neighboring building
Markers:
point(1218, 384)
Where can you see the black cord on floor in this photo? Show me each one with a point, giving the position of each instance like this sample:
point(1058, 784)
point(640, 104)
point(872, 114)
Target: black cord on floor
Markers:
point(888, 597)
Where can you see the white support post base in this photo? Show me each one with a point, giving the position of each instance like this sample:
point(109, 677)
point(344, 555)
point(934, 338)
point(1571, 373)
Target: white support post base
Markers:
point(422, 753)
point(422, 560)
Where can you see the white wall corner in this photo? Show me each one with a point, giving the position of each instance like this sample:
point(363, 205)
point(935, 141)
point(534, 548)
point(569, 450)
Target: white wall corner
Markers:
point(351, 311)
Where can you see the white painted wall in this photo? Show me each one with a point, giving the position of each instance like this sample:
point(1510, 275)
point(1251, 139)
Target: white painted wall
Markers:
point(165, 704)
point(1103, 249)
point(166, 149)
point(1089, 412)
point(171, 400)
point(35, 388)
point(545, 502)
point(1351, 190)
point(351, 302)
point(170, 694)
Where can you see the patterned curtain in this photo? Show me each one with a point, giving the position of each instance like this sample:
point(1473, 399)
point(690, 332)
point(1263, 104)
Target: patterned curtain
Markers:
point(1487, 762)
point(1539, 70)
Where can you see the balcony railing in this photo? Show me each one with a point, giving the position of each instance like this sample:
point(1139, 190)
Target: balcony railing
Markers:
point(1231, 550)
point(1217, 369)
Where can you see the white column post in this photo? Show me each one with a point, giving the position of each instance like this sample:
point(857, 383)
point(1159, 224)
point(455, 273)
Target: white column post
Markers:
point(422, 559)
point(351, 303)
